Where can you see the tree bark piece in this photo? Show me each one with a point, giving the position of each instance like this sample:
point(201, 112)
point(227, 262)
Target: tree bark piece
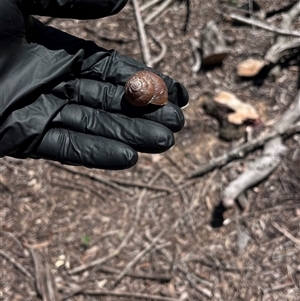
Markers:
point(250, 67)
point(285, 125)
point(265, 26)
point(231, 113)
point(213, 45)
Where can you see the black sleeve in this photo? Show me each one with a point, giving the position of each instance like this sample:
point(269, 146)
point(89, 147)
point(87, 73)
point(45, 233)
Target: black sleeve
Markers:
point(77, 9)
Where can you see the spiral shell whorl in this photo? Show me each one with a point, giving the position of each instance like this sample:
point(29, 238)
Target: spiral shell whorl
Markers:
point(145, 87)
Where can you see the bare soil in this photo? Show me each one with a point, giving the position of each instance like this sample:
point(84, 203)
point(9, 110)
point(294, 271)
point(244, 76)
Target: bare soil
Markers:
point(73, 217)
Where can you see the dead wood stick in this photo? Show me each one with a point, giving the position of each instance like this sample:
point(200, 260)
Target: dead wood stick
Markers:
point(16, 264)
point(277, 50)
point(120, 295)
point(142, 33)
point(126, 239)
point(76, 186)
point(148, 4)
point(263, 166)
point(45, 284)
point(264, 26)
point(9, 234)
point(195, 46)
point(157, 277)
point(160, 9)
point(241, 151)
point(287, 234)
point(256, 171)
point(92, 176)
point(139, 256)
point(109, 181)
point(163, 47)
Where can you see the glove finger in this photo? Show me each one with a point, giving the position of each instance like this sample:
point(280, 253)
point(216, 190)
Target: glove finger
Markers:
point(74, 148)
point(116, 69)
point(110, 98)
point(142, 135)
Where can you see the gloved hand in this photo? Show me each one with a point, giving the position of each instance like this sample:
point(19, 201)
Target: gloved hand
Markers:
point(62, 98)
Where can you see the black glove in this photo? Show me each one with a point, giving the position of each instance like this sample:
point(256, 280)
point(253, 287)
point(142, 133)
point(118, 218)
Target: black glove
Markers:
point(62, 98)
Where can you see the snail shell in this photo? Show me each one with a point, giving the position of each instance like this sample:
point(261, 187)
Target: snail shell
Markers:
point(146, 87)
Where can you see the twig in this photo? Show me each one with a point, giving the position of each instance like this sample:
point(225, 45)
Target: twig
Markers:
point(77, 186)
point(142, 185)
point(126, 239)
point(158, 11)
point(14, 238)
point(92, 176)
point(195, 46)
point(148, 5)
point(121, 294)
point(264, 211)
point(241, 151)
point(16, 264)
point(279, 287)
point(264, 26)
point(140, 256)
point(110, 181)
point(44, 280)
point(178, 188)
point(161, 55)
point(287, 234)
point(142, 32)
point(157, 277)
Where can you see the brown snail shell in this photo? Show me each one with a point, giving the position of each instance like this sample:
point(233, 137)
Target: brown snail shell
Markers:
point(145, 87)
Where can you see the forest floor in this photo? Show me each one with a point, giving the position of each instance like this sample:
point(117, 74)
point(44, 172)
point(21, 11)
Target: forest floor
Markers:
point(82, 227)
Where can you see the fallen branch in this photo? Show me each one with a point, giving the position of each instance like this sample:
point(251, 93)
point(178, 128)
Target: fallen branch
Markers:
point(142, 33)
point(283, 44)
point(92, 176)
point(264, 26)
point(278, 50)
point(241, 151)
point(272, 155)
point(160, 9)
point(256, 171)
point(149, 4)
